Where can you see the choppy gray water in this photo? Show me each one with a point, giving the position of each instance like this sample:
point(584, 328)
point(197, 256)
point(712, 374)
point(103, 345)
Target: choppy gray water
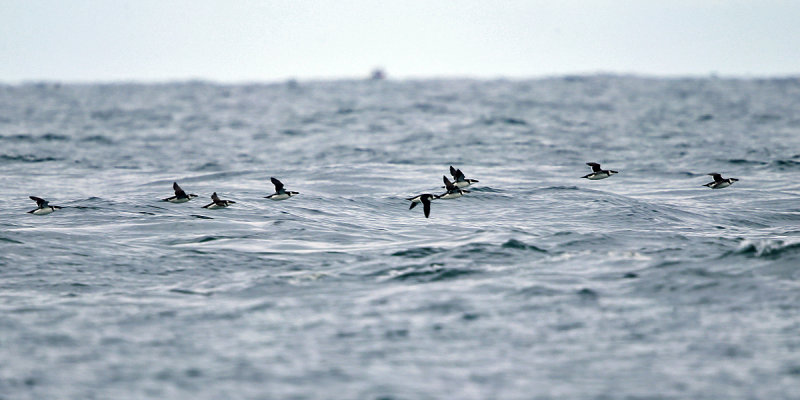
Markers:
point(538, 284)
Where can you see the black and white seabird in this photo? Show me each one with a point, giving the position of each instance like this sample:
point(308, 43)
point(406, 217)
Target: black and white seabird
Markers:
point(720, 182)
point(598, 173)
point(280, 192)
point(217, 203)
point(43, 208)
point(425, 199)
point(453, 191)
point(180, 195)
point(459, 179)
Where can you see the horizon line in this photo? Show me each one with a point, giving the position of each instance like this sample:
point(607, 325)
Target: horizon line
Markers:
point(399, 78)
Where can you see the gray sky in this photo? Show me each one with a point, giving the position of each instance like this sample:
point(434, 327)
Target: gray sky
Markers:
point(156, 40)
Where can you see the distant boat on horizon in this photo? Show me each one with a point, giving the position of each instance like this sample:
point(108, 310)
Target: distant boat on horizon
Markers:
point(378, 74)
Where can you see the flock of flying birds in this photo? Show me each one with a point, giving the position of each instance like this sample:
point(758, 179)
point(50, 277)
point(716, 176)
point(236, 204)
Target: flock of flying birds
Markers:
point(180, 197)
point(454, 189)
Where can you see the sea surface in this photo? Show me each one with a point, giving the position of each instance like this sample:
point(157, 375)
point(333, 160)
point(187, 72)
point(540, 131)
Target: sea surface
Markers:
point(535, 285)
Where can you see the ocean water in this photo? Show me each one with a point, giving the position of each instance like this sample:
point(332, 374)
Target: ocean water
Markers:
point(536, 285)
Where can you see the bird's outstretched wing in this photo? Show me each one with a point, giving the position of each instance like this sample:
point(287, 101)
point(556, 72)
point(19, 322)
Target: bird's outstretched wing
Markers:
point(39, 201)
point(426, 206)
point(447, 184)
point(179, 193)
point(277, 183)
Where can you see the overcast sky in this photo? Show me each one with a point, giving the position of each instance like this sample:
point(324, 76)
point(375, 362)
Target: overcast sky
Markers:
point(268, 40)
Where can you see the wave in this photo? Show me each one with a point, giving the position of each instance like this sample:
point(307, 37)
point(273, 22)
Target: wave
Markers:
point(476, 248)
point(203, 239)
point(290, 132)
point(48, 137)
point(538, 290)
point(433, 272)
point(742, 161)
point(99, 139)
point(782, 165)
point(27, 158)
point(191, 292)
point(768, 248)
point(518, 245)
point(209, 166)
point(503, 121)
point(9, 240)
point(418, 252)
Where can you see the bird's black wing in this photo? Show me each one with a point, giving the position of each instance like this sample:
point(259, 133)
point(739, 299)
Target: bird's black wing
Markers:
point(447, 184)
point(179, 193)
point(717, 177)
point(39, 201)
point(426, 206)
point(452, 171)
point(277, 183)
point(595, 166)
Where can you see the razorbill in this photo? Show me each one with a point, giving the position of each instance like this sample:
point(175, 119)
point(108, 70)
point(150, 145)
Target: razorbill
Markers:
point(43, 208)
point(453, 191)
point(720, 182)
point(217, 203)
point(280, 192)
point(459, 179)
point(598, 173)
point(180, 195)
point(425, 199)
